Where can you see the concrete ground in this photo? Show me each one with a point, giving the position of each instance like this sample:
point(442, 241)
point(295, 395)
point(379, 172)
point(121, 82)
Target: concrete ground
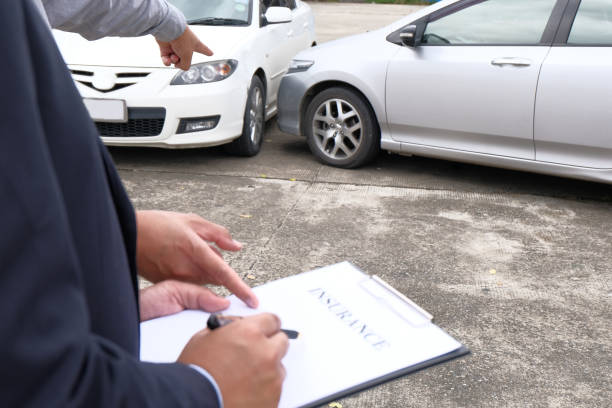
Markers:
point(516, 266)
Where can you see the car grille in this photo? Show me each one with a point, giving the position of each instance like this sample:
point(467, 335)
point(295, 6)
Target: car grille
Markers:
point(142, 122)
point(118, 80)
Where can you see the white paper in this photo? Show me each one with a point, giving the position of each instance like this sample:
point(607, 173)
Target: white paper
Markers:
point(347, 335)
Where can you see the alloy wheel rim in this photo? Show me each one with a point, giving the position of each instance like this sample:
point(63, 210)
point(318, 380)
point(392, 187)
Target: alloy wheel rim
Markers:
point(337, 129)
point(256, 116)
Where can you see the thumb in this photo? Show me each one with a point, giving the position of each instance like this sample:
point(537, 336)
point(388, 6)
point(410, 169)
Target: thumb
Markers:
point(192, 296)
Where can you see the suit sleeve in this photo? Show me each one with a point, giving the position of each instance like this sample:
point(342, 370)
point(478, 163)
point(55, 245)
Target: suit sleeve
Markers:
point(50, 356)
point(94, 19)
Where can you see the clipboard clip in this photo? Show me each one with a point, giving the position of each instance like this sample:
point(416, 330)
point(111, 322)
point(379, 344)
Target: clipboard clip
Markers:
point(400, 304)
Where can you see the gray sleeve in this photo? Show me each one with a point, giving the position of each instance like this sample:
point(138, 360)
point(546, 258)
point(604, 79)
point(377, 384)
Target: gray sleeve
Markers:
point(95, 19)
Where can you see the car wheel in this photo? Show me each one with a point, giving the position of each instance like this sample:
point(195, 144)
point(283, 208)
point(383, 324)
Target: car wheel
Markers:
point(249, 143)
point(341, 129)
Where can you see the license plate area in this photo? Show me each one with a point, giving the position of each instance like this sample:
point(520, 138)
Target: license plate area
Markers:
point(106, 110)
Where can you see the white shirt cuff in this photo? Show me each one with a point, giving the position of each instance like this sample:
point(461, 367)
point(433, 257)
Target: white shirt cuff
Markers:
point(212, 381)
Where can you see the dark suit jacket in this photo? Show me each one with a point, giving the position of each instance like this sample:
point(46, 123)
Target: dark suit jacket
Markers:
point(68, 288)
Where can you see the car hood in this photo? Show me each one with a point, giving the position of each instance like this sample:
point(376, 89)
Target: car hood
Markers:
point(352, 47)
point(143, 51)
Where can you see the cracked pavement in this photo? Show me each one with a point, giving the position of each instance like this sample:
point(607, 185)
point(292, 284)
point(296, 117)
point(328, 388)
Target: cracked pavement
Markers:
point(514, 265)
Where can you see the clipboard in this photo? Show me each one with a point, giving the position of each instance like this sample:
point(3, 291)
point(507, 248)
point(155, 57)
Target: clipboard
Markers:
point(356, 331)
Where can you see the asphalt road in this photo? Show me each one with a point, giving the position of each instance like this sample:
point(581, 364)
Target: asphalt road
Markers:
point(514, 265)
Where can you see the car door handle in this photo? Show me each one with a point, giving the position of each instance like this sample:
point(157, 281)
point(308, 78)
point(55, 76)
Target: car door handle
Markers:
point(305, 25)
point(290, 33)
point(517, 62)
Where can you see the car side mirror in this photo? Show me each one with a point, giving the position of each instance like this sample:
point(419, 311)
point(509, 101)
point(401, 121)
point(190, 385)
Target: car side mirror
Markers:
point(276, 15)
point(408, 36)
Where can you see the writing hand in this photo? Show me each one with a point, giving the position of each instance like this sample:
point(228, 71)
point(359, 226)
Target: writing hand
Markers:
point(244, 358)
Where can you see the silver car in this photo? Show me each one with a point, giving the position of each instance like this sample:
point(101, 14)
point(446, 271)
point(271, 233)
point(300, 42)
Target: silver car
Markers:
point(519, 84)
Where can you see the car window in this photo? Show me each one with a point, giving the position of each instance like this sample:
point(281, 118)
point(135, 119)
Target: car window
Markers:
point(232, 10)
point(282, 3)
point(492, 22)
point(593, 23)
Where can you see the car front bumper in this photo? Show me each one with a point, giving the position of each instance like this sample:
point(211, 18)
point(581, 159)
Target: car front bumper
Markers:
point(291, 94)
point(155, 109)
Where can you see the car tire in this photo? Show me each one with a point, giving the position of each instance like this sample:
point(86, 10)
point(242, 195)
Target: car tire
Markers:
point(341, 128)
point(249, 142)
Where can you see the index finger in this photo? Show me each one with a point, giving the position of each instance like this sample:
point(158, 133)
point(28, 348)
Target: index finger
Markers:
point(225, 275)
point(203, 49)
point(269, 323)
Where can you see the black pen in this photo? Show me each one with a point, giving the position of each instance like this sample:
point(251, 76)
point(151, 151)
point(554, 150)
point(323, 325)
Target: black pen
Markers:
point(216, 320)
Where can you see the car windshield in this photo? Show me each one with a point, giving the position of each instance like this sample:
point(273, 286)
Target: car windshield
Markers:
point(214, 12)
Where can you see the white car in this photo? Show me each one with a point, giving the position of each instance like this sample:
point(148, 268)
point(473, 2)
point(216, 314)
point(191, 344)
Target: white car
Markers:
point(223, 99)
point(519, 84)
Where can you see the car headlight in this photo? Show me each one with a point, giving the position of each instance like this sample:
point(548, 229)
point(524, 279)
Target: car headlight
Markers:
point(206, 72)
point(297, 65)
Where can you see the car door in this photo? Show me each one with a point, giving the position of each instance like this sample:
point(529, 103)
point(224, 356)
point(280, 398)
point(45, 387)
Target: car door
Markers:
point(471, 83)
point(300, 26)
point(293, 31)
point(274, 38)
point(574, 104)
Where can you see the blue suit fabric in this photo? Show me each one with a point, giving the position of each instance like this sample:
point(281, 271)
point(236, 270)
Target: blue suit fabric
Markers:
point(68, 287)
